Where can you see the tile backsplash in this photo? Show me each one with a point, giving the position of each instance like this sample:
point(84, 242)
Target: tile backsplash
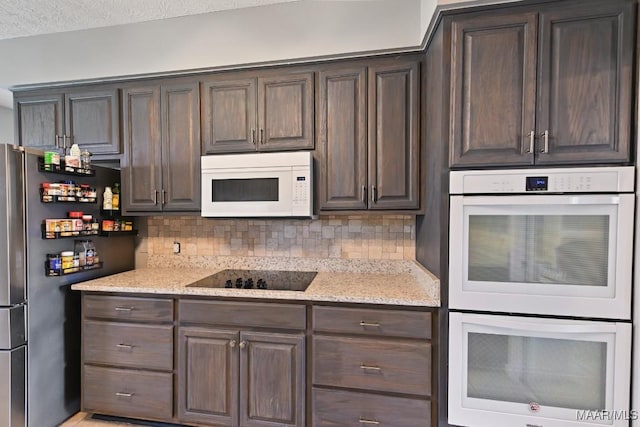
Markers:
point(350, 237)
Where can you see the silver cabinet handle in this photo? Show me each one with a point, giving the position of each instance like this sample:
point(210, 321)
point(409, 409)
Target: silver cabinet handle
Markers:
point(370, 324)
point(163, 194)
point(57, 144)
point(370, 368)
point(242, 344)
point(155, 197)
point(253, 136)
point(364, 194)
point(261, 136)
point(64, 142)
point(120, 394)
point(232, 343)
point(373, 193)
point(127, 309)
point(545, 149)
point(366, 421)
point(532, 142)
point(126, 346)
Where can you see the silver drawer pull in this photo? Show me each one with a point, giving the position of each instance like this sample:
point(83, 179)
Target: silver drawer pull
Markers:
point(370, 368)
point(366, 421)
point(127, 346)
point(371, 324)
point(127, 309)
point(119, 394)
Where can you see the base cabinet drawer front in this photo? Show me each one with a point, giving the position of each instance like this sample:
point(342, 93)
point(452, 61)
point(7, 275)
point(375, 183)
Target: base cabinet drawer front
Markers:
point(250, 314)
point(362, 321)
point(127, 308)
point(333, 408)
point(128, 345)
point(127, 393)
point(370, 364)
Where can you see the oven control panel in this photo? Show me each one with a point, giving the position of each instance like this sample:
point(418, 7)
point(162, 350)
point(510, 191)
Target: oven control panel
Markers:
point(561, 180)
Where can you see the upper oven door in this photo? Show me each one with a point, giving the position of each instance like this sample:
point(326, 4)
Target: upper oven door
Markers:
point(542, 254)
point(249, 192)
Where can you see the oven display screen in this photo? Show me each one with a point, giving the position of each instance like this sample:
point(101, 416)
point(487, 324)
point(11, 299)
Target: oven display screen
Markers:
point(537, 183)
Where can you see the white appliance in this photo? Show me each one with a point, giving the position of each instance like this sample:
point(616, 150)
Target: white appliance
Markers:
point(509, 371)
point(566, 253)
point(258, 185)
point(547, 256)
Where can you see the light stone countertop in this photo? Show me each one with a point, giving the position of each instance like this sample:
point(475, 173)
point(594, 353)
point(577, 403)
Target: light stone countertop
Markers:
point(404, 283)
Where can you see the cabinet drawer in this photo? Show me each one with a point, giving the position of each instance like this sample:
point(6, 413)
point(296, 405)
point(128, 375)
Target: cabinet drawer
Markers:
point(370, 364)
point(252, 314)
point(344, 408)
point(128, 345)
point(391, 323)
point(127, 393)
point(127, 308)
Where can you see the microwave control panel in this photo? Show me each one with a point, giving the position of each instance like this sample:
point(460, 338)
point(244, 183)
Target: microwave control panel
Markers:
point(575, 180)
point(301, 192)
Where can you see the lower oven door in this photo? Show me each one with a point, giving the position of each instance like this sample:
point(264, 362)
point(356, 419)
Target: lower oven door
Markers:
point(518, 371)
point(13, 387)
point(562, 255)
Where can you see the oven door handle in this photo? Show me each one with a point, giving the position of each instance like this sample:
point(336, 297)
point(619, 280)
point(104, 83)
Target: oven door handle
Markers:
point(553, 327)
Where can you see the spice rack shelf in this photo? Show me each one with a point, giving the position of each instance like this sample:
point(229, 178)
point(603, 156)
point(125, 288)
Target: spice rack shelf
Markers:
point(73, 270)
point(65, 199)
point(63, 169)
point(119, 233)
point(51, 235)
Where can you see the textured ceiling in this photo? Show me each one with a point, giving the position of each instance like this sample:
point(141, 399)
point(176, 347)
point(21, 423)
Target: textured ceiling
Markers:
point(20, 18)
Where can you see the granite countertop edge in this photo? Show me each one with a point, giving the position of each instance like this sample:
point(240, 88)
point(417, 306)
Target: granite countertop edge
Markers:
point(407, 284)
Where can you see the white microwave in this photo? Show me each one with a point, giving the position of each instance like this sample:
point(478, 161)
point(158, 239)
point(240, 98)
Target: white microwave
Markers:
point(257, 185)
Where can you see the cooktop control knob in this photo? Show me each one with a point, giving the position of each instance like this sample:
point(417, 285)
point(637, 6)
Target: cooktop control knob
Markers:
point(239, 282)
point(249, 283)
point(228, 284)
point(261, 284)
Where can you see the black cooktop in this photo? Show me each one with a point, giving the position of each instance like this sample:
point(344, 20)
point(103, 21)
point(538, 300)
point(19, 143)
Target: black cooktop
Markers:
point(276, 280)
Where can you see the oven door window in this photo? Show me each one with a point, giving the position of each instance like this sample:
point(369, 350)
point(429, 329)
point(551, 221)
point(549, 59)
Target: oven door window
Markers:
point(245, 190)
point(567, 249)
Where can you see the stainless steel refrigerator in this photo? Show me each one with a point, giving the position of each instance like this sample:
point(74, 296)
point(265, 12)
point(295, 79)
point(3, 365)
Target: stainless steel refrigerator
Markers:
point(39, 314)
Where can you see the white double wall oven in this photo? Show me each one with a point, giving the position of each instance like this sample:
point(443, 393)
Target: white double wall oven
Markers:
point(540, 279)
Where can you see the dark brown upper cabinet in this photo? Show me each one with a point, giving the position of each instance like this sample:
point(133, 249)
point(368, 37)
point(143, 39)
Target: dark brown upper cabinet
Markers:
point(244, 112)
point(161, 161)
point(546, 84)
point(368, 136)
point(88, 117)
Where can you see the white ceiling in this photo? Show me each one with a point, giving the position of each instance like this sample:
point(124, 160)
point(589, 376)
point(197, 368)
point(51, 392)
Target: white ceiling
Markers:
point(20, 18)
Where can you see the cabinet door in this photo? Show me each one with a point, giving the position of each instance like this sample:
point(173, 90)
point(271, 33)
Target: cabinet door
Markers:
point(229, 115)
point(394, 172)
point(585, 79)
point(285, 112)
point(342, 138)
point(38, 120)
point(142, 158)
point(92, 120)
point(180, 147)
point(272, 379)
point(493, 89)
point(208, 376)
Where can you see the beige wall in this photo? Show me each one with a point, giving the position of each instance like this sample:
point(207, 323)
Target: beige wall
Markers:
point(6, 125)
point(351, 237)
point(277, 32)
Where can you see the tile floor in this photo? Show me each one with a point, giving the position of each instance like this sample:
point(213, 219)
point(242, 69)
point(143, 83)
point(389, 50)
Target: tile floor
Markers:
point(82, 419)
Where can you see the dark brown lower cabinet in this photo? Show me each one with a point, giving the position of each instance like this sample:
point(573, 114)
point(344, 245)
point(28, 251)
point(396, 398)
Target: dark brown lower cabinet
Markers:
point(229, 375)
point(371, 367)
point(127, 356)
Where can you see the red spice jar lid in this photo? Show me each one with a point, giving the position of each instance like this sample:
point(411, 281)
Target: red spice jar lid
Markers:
point(75, 214)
